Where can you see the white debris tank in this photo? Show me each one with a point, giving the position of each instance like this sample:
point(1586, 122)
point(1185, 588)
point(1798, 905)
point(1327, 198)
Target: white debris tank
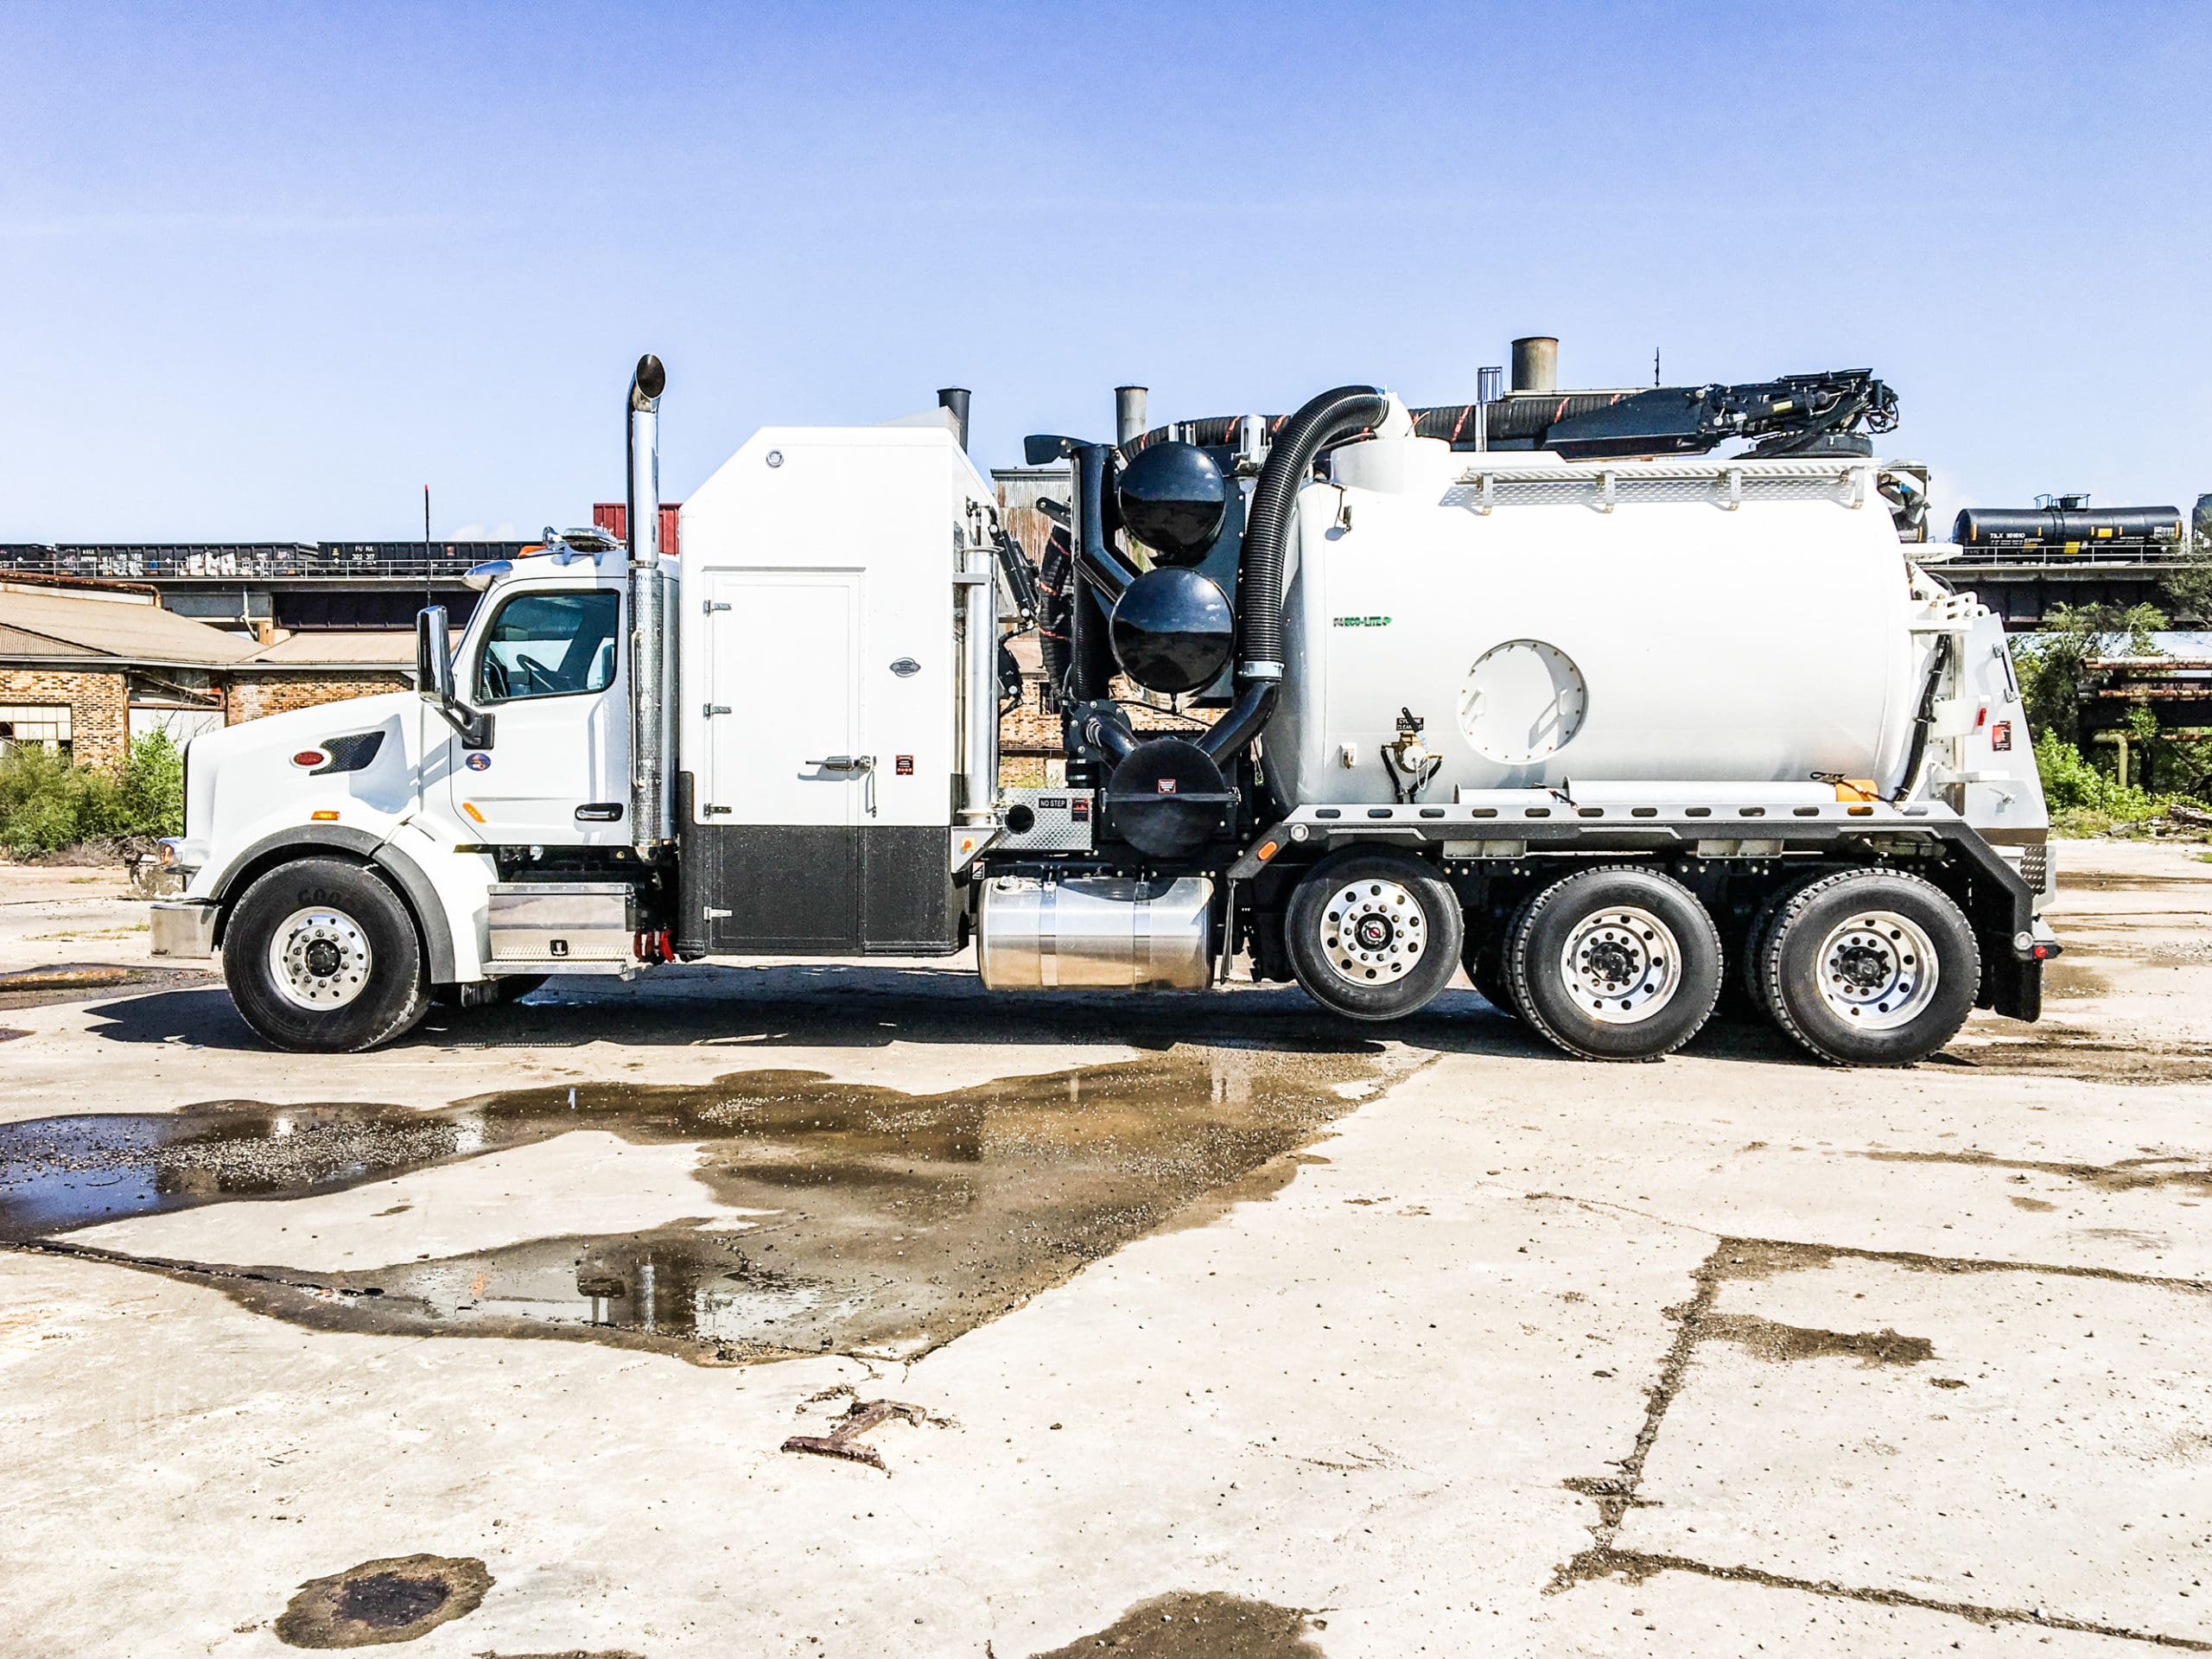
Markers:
point(1554, 623)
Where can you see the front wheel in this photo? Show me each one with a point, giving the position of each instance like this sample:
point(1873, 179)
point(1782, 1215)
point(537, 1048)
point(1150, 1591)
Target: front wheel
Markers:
point(1870, 967)
point(321, 956)
point(1374, 935)
point(1618, 962)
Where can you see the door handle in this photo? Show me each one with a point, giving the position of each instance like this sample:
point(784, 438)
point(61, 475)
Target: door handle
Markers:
point(862, 767)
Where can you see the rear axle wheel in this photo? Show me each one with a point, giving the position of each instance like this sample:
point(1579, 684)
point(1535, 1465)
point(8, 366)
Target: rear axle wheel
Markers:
point(1619, 963)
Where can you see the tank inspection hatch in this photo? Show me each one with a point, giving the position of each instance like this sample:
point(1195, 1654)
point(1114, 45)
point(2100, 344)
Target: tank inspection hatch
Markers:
point(1522, 702)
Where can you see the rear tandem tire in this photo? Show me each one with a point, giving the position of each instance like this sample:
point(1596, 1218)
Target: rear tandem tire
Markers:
point(321, 955)
point(1616, 963)
point(1484, 961)
point(1870, 967)
point(1374, 935)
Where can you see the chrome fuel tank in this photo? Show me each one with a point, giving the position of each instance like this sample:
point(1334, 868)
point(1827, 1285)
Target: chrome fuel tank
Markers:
point(1095, 934)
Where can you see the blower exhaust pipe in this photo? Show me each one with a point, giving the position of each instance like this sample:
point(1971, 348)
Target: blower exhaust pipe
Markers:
point(1535, 364)
point(1128, 413)
point(652, 644)
point(955, 400)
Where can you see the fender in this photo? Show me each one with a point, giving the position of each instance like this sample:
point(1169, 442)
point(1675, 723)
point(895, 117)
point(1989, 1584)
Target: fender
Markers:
point(403, 872)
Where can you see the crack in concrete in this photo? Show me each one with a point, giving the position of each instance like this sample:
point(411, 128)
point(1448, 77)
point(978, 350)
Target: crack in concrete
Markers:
point(1755, 1258)
point(1635, 1565)
point(1783, 1256)
point(1616, 1494)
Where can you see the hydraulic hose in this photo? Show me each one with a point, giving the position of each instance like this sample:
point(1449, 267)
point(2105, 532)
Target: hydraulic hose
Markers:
point(1055, 592)
point(1259, 559)
point(1917, 757)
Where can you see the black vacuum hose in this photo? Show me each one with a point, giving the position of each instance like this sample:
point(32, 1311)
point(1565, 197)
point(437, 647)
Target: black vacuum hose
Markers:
point(1259, 559)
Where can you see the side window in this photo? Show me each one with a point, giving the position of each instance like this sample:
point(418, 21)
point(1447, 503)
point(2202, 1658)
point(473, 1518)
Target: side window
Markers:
point(548, 646)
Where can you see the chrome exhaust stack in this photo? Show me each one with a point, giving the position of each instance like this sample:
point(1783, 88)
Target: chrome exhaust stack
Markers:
point(652, 642)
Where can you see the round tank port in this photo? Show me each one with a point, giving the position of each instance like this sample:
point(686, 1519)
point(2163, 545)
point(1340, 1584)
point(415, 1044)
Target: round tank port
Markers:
point(1522, 700)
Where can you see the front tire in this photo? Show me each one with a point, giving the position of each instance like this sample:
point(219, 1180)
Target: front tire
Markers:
point(322, 957)
point(1618, 962)
point(1374, 935)
point(1870, 967)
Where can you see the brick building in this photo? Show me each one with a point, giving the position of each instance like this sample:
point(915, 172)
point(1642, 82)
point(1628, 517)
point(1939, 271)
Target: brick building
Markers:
point(92, 667)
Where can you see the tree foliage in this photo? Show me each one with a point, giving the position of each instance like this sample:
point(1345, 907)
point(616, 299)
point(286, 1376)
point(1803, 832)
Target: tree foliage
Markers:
point(2054, 661)
point(2189, 584)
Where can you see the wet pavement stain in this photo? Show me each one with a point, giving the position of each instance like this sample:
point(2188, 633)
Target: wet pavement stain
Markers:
point(1211, 1625)
point(893, 1221)
point(1781, 1343)
point(396, 1600)
point(2128, 1175)
point(2125, 881)
point(2067, 980)
point(77, 981)
point(2084, 1056)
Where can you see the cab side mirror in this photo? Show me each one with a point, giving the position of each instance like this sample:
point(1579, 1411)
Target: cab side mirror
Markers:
point(433, 655)
point(434, 679)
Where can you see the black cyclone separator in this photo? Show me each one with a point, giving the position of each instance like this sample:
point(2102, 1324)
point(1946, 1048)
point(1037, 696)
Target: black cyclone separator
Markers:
point(1260, 559)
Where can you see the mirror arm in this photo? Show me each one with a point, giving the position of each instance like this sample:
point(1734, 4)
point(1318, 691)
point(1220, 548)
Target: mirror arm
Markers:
point(475, 725)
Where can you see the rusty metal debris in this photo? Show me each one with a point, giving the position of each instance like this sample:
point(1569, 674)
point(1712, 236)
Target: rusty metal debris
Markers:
point(862, 1416)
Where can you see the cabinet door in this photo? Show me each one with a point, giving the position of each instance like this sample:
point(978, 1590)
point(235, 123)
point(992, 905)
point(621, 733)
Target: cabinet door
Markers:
point(784, 736)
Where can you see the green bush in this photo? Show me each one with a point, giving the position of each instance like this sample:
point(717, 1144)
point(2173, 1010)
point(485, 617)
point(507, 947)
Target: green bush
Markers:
point(46, 804)
point(2085, 800)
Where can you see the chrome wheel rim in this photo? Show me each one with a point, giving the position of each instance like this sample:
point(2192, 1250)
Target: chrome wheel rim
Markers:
point(1373, 932)
point(1621, 965)
point(1878, 971)
point(319, 958)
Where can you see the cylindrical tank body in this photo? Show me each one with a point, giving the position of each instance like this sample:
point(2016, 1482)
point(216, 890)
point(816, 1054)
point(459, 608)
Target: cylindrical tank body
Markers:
point(2067, 527)
point(1095, 932)
point(1551, 641)
point(1535, 364)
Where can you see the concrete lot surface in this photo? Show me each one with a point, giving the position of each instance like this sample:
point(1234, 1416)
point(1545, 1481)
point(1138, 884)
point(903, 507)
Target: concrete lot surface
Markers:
point(1207, 1326)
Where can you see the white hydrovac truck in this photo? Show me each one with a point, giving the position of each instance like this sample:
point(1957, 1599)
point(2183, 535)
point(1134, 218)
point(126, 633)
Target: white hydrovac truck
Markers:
point(1617, 723)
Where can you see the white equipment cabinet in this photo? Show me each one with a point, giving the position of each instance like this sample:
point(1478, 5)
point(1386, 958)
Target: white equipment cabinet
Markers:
point(822, 666)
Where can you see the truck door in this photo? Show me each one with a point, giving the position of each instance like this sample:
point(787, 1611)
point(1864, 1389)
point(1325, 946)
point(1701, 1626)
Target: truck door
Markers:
point(548, 667)
point(785, 781)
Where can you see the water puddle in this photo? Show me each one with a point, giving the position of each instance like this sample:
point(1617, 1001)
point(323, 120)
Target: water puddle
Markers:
point(884, 1222)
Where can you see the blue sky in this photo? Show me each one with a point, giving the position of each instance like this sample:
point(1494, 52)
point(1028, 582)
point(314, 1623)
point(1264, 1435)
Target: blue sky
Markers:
point(267, 271)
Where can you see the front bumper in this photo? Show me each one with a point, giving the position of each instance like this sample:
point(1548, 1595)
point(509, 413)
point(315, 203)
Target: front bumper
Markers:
point(183, 931)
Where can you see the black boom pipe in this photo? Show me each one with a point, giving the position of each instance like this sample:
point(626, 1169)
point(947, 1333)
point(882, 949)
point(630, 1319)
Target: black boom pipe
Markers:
point(1102, 566)
point(1260, 559)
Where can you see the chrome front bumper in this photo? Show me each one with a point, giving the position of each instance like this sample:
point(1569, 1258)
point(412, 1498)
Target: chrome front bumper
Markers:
point(183, 931)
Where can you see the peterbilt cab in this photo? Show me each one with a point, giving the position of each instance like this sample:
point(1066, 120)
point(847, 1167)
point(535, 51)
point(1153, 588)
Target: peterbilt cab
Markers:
point(341, 858)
